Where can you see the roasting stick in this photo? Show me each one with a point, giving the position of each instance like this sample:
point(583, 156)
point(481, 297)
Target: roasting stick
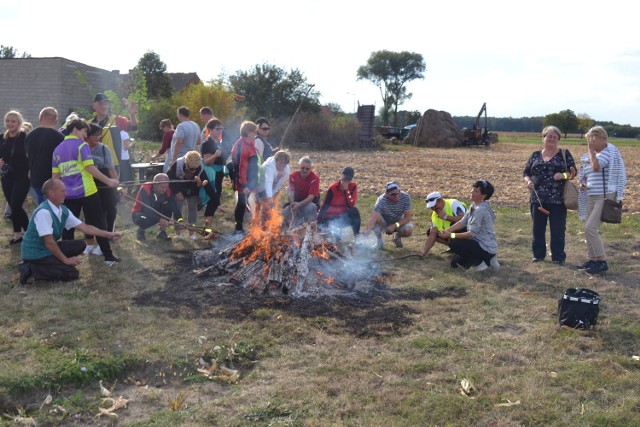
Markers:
point(397, 258)
point(540, 208)
point(199, 230)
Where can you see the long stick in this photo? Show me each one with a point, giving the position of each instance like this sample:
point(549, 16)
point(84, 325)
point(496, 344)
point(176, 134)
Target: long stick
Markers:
point(294, 115)
point(201, 231)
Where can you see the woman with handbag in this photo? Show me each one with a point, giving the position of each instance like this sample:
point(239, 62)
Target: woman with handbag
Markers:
point(602, 176)
point(545, 175)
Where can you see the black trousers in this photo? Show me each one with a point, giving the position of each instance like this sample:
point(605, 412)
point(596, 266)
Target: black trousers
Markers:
point(470, 251)
point(147, 219)
point(214, 197)
point(15, 192)
point(91, 206)
point(51, 268)
point(241, 207)
point(557, 226)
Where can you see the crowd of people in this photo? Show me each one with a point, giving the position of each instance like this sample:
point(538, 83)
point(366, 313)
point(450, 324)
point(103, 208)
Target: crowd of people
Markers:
point(74, 171)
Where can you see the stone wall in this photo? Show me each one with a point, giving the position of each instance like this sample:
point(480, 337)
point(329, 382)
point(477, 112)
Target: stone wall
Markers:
point(30, 84)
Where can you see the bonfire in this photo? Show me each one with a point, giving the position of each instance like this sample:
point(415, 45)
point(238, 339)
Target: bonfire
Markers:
point(296, 261)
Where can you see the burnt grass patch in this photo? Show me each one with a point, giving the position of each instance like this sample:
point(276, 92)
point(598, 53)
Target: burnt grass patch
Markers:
point(380, 311)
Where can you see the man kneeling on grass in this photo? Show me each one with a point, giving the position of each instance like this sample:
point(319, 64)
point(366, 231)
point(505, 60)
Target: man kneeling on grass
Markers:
point(43, 255)
point(155, 202)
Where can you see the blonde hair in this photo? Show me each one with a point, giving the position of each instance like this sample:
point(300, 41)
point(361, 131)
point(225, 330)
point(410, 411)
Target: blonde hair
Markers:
point(247, 126)
point(192, 159)
point(15, 114)
point(282, 155)
point(598, 132)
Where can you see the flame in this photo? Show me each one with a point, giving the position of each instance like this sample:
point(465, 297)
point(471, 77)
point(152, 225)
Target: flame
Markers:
point(265, 238)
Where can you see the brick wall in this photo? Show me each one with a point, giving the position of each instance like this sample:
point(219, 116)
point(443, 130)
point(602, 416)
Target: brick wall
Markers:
point(30, 84)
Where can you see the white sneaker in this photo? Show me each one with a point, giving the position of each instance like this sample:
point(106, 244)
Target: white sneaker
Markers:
point(88, 250)
point(96, 250)
point(481, 267)
point(494, 262)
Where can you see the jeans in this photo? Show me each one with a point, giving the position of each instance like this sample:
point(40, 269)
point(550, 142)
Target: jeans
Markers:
point(557, 227)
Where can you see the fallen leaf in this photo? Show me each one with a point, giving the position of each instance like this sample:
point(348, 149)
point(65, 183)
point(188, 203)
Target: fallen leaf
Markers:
point(508, 403)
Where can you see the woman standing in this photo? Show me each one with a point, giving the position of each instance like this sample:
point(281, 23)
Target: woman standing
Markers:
point(103, 160)
point(544, 175)
point(246, 162)
point(602, 175)
point(477, 246)
point(263, 146)
point(14, 169)
point(214, 166)
point(73, 164)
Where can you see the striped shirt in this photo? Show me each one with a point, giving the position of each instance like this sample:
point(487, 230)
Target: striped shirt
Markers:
point(615, 175)
point(393, 212)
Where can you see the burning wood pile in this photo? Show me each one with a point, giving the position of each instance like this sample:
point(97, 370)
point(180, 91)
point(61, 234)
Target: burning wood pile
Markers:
point(300, 262)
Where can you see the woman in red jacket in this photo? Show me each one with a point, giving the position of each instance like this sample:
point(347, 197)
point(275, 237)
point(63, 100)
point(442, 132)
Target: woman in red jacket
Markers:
point(246, 162)
point(338, 208)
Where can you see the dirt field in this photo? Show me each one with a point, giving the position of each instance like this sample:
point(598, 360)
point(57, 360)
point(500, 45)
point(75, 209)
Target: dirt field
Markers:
point(452, 171)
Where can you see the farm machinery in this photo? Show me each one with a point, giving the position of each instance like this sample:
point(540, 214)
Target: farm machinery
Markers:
point(478, 135)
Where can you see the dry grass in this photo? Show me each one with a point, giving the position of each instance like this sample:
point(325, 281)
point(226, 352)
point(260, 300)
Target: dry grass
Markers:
point(392, 360)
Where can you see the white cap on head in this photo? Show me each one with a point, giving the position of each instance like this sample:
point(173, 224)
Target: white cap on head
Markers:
point(432, 198)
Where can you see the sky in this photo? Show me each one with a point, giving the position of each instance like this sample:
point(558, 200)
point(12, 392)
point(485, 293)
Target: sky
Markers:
point(523, 59)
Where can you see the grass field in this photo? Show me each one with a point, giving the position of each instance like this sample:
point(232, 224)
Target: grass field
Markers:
point(396, 357)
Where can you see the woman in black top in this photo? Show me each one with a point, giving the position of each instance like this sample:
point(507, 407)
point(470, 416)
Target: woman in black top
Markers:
point(14, 169)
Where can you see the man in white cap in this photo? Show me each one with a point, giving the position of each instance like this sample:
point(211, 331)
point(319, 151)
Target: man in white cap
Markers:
point(444, 213)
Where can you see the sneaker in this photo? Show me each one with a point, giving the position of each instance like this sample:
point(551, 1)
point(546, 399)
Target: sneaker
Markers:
point(598, 267)
point(537, 260)
point(109, 260)
point(559, 262)
point(25, 272)
point(494, 262)
point(140, 235)
point(481, 267)
point(397, 240)
point(88, 250)
point(585, 265)
point(96, 251)
point(162, 235)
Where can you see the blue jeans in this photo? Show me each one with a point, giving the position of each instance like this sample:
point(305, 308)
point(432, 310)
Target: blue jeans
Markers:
point(557, 226)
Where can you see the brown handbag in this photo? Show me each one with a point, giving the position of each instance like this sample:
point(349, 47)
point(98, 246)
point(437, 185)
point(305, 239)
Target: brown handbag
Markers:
point(570, 193)
point(611, 210)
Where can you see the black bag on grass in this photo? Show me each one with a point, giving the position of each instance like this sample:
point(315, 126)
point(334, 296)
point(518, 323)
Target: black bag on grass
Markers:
point(579, 308)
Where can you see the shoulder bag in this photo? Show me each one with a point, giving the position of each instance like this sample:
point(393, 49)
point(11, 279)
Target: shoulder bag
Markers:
point(611, 210)
point(570, 193)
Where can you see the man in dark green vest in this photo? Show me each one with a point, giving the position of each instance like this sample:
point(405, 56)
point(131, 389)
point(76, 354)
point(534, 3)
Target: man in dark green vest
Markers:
point(44, 257)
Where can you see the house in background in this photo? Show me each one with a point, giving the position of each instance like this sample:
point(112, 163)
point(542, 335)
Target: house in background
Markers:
point(30, 84)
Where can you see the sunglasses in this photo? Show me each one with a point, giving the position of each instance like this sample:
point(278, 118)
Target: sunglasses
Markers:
point(433, 199)
point(264, 128)
point(395, 193)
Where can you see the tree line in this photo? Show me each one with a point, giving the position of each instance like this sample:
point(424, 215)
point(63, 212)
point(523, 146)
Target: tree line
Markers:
point(270, 91)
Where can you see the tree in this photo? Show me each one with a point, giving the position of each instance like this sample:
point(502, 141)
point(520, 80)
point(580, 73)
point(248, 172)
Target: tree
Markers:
point(155, 74)
point(272, 92)
point(565, 120)
point(584, 123)
point(9, 52)
point(390, 71)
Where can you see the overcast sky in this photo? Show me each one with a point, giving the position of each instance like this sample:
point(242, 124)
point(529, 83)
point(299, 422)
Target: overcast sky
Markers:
point(521, 58)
